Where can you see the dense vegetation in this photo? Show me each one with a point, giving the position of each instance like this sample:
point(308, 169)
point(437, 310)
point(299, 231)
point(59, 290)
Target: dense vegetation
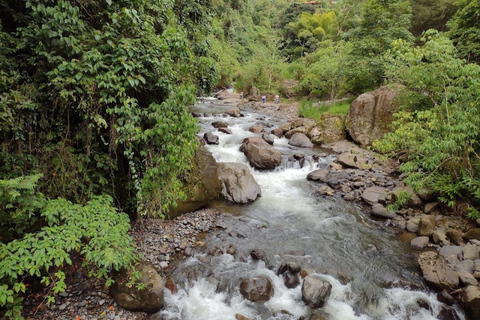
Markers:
point(94, 99)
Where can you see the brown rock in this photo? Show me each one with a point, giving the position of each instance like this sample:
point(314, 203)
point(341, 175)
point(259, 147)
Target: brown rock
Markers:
point(318, 175)
point(260, 154)
point(256, 288)
point(426, 225)
point(256, 128)
point(235, 112)
point(210, 138)
point(315, 291)
point(238, 183)
point(170, 285)
point(331, 128)
point(472, 234)
point(437, 273)
point(238, 316)
point(219, 124)
point(202, 186)
point(303, 130)
point(372, 194)
point(371, 114)
point(350, 160)
point(471, 301)
point(277, 132)
point(300, 140)
point(225, 130)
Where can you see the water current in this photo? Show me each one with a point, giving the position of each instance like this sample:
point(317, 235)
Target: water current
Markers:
point(373, 274)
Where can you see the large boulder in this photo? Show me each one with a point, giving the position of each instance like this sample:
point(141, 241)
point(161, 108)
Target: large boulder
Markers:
point(149, 299)
point(260, 154)
point(315, 291)
point(371, 114)
point(235, 112)
point(318, 175)
point(202, 186)
point(300, 140)
point(257, 288)
point(331, 128)
point(437, 273)
point(210, 138)
point(238, 183)
point(471, 301)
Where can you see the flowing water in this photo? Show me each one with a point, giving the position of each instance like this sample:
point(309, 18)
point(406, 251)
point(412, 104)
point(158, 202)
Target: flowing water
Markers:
point(373, 274)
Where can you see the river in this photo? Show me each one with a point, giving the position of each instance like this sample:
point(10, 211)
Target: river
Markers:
point(373, 274)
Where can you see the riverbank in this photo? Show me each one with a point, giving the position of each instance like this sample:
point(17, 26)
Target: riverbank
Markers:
point(161, 242)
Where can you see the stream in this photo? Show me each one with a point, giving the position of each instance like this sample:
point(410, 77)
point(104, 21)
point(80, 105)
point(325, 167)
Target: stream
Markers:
point(373, 274)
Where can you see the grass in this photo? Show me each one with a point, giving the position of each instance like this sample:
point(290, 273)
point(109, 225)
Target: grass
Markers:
point(308, 110)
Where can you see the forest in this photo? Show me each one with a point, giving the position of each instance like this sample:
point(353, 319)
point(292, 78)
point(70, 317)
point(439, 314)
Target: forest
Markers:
point(95, 127)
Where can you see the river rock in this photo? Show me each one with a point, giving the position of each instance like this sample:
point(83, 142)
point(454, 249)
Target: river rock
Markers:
point(235, 112)
point(437, 273)
point(331, 128)
point(256, 288)
point(350, 160)
point(471, 301)
point(412, 224)
point(315, 291)
point(430, 207)
point(260, 154)
point(256, 128)
point(225, 130)
point(439, 236)
point(277, 132)
point(371, 195)
point(451, 251)
point(170, 285)
point(471, 252)
point(445, 297)
point(210, 138)
point(202, 187)
point(325, 190)
point(419, 242)
point(219, 124)
point(290, 279)
point(318, 175)
point(455, 237)
point(473, 233)
point(238, 316)
point(371, 114)
point(303, 130)
point(238, 183)
point(287, 126)
point(269, 138)
point(380, 211)
point(426, 225)
point(149, 299)
point(467, 278)
point(300, 140)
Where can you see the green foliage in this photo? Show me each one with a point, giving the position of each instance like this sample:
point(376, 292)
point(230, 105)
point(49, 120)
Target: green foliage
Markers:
point(465, 30)
point(308, 110)
point(402, 199)
point(441, 141)
point(97, 93)
point(323, 74)
point(382, 23)
point(19, 203)
point(431, 14)
point(310, 29)
point(96, 231)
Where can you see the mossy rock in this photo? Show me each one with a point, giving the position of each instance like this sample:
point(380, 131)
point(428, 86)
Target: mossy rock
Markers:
point(202, 187)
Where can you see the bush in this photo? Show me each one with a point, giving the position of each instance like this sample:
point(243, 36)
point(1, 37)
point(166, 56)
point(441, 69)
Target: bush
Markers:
point(96, 231)
point(441, 141)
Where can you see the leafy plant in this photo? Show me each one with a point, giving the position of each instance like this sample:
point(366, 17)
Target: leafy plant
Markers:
point(97, 231)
